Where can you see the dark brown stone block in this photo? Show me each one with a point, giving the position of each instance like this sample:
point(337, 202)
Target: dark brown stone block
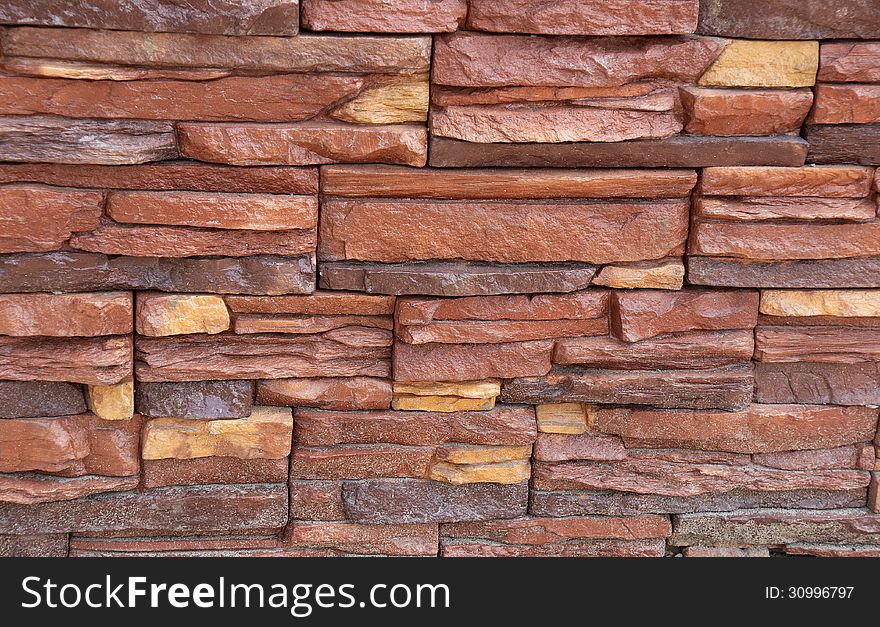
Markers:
point(48, 545)
point(816, 273)
point(790, 19)
point(224, 17)
point(844, 143)
point(103, 142)
point(389, 501)
point(30, 399)
point(455, 278)
point(585, 502)
point(174, 511)
point(70, 271)
point(316, 500)
point(719, 388)
point(825, 384)
point(678, 151)
point(196, 399)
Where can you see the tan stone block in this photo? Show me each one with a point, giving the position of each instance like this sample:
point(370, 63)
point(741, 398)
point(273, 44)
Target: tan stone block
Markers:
point(667, 275)
point(179, 314)
point(568, 418)
point(412, 402)
point(840, 303)
point(403, 100)
point(464, 389)
point(265, 434)
point(752, 63)
point(507, 472)
point(472, 454)
point(112, 402)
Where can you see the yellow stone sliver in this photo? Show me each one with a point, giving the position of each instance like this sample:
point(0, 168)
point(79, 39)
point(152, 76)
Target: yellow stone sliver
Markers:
point(839, 303)
point(506, 472)
point(266, 434)
point(112, 402)
point(663, 276)
point(753, 63)
point(567, 418)
point(445, 404)
point(475, 454)
point(403, 100)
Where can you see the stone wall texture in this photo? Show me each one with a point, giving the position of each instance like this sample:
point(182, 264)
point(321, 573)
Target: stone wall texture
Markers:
point(439, 277)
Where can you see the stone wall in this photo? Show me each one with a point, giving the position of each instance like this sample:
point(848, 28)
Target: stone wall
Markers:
point(439, 277)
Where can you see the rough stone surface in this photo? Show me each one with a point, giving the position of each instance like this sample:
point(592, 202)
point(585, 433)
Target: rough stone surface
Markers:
point(467, 362)
point(576, 17)
point(785, 19)
point(305, 53)
point(644, 314)
point(803, 274)
point(836, 143)
point(265, 434)
point(455, 278)
point(478, 60)
point(846, 104)
point(835, 181)
point(854, 61)
point(66, 315)
point(358, 539)
point(172, 511)
point(826, 384)
point(663, 275)
point(338, 353)
point(817, 344)
point(676, 152)
point(360, 462)
point(37, 545)
point(728, 388)
point(551, 447)
point(32, 399)
point(389, 501)
point(683, 350)
point(179, 314)
point(112, 402)
point(495, 184)
point(502, 426)
point(227, 17)
point(377, 16)
point(310, 143)
point(32, 488)
point(36, 218)
point(210, 400)
point(750, 209)
point(776, 526)
point(94, 361)
point(745, 63)
point(839, 303)
point(744, 112)
point(213, 471)
point(102, 142)
point(331, 393)
point(507, 233)
point(758, 429)
point(565, 418)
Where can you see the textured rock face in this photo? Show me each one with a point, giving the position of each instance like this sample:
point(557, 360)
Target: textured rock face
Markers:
point(94, 361)
point(409, 16)
point(825, 273)
point(745, 63)
point(179, 314)
point(571, 17)
point(265, 434)
point(64, 315)
point(102, 142)
point(838, 303)
point(196, 399)
point(112, 402)
point(456, 362)
point(849, 62)
point(846, 104)
point(262, 17)
point(784, 19)
point(385, 501)
point(31, 399)
point(326, 393)
point(40, 219)
point(484, 231)
point(832, 384)
point(310, 143)
point(477, 60)
point(758, 429)
point(744, 112)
